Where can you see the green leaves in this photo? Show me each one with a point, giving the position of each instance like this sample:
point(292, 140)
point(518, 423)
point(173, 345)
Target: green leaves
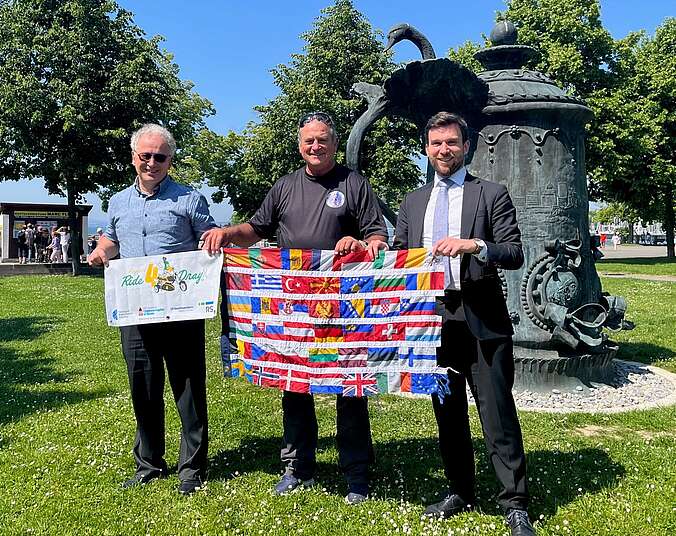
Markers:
point(76, 78)
point(340, 50)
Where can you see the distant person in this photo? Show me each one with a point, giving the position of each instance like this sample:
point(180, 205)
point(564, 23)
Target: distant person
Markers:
point(55, 247)
point(603, 239)
point(38, 244)
point(616, 240)
point(21, 242)
point(91, 243)
point(41, 243)
point(64, 232)
point(30, 240)
point(173, 218)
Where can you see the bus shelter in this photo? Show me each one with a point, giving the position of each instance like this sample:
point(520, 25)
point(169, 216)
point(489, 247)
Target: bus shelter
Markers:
point(51, 216)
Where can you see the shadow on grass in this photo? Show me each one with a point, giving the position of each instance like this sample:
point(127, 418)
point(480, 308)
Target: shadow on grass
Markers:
point(23, 378)
point(26, 328)
point(558, 478)
point(262, 454)
point(411, 470)
point(644, 352)
point(92, 272)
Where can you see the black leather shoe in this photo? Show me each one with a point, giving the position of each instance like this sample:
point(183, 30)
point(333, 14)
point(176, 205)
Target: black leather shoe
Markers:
point(519, 523)
point(451, 505)
point(188, 487)
point(139, 479)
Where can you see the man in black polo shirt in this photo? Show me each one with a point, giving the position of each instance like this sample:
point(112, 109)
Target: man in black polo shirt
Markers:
point(323, 205)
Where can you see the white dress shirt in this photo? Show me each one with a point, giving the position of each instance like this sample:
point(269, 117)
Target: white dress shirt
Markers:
point(455, 192)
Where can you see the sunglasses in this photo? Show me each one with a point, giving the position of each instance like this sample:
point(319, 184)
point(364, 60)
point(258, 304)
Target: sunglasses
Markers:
point(159, 157)
point(322, 117)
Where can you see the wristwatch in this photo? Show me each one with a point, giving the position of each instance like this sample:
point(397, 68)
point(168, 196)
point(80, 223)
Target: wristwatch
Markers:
point(480, 247)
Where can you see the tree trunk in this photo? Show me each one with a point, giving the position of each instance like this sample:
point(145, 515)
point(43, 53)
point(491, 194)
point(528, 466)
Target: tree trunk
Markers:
point(630, 240)
point(74, 231)
point(669, 219)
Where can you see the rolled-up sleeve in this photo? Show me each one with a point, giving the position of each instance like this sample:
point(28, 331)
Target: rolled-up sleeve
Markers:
point(200, 216)
point(111, 228)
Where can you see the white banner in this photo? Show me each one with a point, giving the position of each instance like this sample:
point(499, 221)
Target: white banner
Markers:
point(162, 288)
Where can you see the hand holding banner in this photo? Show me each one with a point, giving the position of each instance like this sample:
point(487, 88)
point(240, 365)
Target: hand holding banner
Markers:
point(162, 288)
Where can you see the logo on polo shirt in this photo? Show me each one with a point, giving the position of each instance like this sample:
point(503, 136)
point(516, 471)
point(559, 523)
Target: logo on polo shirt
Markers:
point(335, 199)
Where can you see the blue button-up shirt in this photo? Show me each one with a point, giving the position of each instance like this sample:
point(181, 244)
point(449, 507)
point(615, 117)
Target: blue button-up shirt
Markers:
point(170, 220)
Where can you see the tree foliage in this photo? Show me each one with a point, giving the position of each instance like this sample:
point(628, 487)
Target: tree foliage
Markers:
point(614, 213)
point(340, 49)
point(629, 85)
point(576, 50)
point(76, 77)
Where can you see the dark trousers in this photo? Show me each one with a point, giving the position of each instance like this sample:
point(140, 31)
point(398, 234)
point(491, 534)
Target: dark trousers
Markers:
point(146, 349)
point(353, 436)
point(488, 367)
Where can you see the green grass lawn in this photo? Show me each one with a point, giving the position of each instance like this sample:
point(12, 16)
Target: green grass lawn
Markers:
point(66, 431)
point(650, 266)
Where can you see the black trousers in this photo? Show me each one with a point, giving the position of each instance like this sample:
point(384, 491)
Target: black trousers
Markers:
point(353, 436)
point(488, 367)
point(146, 349)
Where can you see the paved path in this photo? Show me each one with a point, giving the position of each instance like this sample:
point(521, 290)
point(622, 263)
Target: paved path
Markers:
point(649, 277)
point(634, 251)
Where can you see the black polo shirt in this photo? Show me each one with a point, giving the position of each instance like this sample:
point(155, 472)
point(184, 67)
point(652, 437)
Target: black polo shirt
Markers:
point(315, 212)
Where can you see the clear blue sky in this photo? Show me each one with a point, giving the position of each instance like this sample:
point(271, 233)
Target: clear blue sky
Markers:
point(227, 48)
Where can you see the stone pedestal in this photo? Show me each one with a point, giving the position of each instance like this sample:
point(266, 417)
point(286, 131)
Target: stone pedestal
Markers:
point(543, 370)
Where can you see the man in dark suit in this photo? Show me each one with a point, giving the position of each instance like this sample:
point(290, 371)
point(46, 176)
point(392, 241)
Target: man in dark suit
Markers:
point(471, 222)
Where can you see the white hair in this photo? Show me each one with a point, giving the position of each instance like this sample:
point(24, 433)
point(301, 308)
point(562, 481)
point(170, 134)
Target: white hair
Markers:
point(152, 128)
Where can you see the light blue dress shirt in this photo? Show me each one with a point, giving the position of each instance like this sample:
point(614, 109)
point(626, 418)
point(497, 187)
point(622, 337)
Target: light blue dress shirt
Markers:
point(170, 220)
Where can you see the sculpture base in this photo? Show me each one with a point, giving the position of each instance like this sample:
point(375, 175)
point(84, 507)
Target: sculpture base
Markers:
point(543, 370)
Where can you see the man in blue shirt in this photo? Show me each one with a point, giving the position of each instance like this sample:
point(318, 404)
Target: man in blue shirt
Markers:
point(153, 216)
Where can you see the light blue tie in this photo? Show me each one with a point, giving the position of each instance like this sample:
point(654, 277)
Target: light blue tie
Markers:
point(440, 225)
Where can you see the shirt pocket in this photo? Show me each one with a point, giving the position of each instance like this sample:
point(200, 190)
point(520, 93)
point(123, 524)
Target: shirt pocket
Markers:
point(173, 228)
point(169, 220)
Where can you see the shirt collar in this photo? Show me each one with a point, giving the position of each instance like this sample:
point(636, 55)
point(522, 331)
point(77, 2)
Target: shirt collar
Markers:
point(161, 187)
point(458, 177)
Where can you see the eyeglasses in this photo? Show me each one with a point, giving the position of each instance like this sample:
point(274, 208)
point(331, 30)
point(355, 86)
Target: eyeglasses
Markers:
point(159, 157)
point(322, 117)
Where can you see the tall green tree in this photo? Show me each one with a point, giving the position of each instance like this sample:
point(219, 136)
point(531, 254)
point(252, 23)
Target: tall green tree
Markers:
point(646, 101)
point(342, 48)
point(76, 77)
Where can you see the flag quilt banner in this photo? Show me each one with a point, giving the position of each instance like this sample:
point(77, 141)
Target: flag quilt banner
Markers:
point(312, 321)
point(162, 288)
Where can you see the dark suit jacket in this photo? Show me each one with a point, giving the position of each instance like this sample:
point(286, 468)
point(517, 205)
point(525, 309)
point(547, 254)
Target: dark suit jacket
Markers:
point(488, 214)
